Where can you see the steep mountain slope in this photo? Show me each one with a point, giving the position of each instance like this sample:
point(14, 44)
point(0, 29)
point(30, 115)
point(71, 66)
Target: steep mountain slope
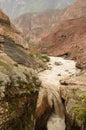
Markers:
point(14, 8)
point(12, 43)
point(42, 24)
point(18, 82)
point(67, 40)
point(77, 10)
point(68, 37)
point(34, 26)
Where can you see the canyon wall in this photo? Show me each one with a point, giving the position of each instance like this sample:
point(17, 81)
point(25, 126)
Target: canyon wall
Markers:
point(19, 83)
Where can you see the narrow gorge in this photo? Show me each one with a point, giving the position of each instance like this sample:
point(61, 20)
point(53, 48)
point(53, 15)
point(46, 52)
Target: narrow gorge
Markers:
point(50, 109)
point(43, 65)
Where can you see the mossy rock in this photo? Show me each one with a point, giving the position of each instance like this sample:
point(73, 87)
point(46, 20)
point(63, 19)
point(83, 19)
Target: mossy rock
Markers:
point(80, 112)
point(20, 96)
point(79, 108)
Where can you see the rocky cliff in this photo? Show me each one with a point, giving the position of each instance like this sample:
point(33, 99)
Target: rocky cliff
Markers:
point(73, 93)
point(18, 82)
point(13, 43)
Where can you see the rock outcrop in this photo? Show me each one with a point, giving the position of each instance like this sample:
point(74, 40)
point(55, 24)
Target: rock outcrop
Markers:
point(7, 29)
point(73, 93)
point(13, 43)
point(18, 94)
point(76, 10)
point(19, 84)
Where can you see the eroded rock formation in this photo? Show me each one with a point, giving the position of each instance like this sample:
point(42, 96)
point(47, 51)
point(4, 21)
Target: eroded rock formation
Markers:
point(50, 111)
point(18, 95)
point(73, 92)
point(18, 84)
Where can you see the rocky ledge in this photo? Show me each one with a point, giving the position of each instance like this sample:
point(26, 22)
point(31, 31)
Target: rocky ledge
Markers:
point(19, 83)
point(73, 93)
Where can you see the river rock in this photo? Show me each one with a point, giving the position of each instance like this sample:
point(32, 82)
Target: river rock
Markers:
point(58, 63)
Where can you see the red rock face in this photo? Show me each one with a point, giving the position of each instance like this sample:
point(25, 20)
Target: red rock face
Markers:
point(36, 26)
point(77, 10)
point(68, 39)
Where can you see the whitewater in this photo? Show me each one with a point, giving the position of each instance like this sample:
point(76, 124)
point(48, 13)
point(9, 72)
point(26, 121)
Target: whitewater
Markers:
point(58, 69)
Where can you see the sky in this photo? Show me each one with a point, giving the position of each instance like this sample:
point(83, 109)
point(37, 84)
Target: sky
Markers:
point(15, 8)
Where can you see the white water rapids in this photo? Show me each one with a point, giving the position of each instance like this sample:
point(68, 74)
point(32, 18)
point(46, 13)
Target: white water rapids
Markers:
point(58, 68)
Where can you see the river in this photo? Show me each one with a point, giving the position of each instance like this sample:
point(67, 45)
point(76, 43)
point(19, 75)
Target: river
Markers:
point(58, 68)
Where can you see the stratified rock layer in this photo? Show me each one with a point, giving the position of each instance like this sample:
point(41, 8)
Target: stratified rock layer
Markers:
point(18, 84)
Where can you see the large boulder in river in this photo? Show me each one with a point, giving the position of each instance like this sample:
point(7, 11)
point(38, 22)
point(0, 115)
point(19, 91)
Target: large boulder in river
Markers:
point(19, 83)
point(73, 93)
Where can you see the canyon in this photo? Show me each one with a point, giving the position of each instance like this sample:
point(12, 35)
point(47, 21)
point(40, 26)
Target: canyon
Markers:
point(67, 41)
point(58, 68)
point(68, 37)
point(34, 26)
point(44, 87)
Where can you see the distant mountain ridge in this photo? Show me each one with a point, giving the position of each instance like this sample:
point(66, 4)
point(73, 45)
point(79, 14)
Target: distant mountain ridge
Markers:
point(37, 25)
point(15, 8)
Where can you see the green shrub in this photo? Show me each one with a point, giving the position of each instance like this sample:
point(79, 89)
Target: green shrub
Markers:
point(41, 65)
point(46, 57)
point(31, 54)
point(41, 57)
point(2, 63)
point(80, 111)
point(38, 55)
point(30, 43)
